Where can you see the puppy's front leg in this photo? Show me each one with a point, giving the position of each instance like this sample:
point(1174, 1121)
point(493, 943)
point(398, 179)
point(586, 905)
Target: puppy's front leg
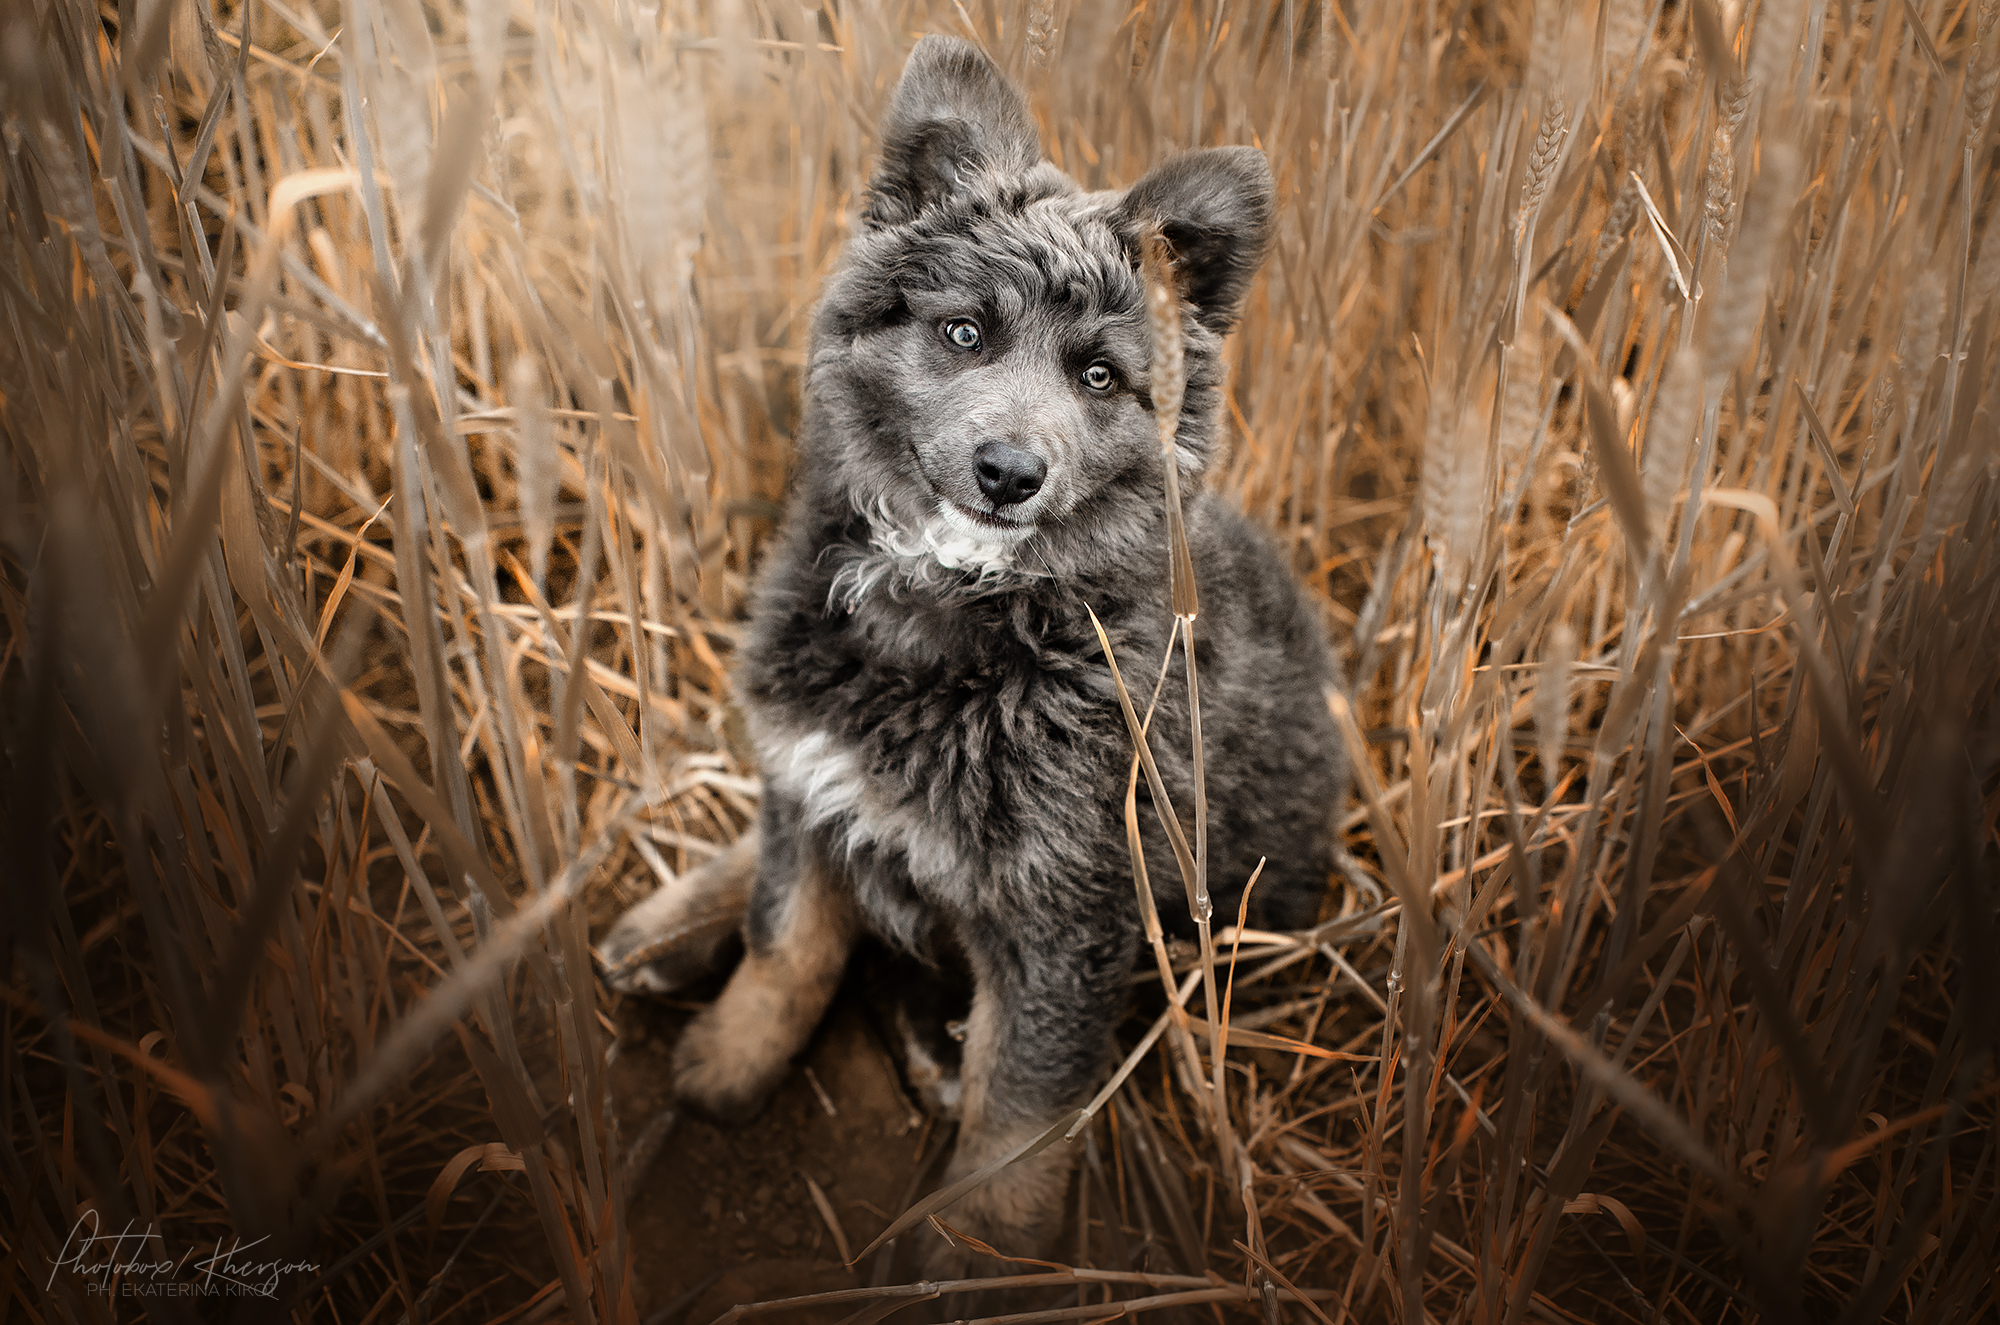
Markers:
point(1043, 1007)
point(799, 928)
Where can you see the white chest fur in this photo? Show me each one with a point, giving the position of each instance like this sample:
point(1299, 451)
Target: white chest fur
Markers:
point(835, 791)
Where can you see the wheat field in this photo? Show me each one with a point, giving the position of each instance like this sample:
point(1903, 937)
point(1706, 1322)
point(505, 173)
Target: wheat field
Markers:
point(395, 396)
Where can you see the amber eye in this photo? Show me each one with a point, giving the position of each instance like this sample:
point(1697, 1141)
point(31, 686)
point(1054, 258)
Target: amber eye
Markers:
point(963, 333)
point(1099, 377)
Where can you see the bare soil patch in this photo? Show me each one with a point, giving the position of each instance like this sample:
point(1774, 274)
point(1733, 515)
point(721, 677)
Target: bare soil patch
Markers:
point(724, 1212)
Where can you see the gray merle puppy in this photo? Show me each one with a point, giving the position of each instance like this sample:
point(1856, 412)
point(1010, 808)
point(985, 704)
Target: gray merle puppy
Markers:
point(944, 756)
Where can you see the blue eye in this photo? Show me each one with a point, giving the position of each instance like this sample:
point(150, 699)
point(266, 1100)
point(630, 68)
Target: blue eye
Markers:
point(963, 333)
point(1099, 377)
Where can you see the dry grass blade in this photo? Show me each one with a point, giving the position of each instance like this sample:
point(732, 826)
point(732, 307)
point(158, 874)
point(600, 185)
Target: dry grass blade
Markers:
point(833, 1225)
point(1831, 462)
point(1607, 447)
point(1154, 784)
point(1166, 378)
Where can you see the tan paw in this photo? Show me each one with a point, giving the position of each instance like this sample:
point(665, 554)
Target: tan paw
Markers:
point(722, 1072)
point(684, 931)
point(666, 949)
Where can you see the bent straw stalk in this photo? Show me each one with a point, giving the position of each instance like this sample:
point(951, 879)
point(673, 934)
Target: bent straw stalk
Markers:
point(1167, 378)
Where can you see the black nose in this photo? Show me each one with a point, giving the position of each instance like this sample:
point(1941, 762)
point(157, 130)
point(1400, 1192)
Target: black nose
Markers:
point(1007, 474)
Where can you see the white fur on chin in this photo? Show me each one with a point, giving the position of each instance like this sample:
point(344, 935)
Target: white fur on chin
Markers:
point(962, 543)
point(948, 539)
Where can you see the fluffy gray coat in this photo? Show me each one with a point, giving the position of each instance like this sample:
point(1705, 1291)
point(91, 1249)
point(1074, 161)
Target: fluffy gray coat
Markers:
point(944, 756)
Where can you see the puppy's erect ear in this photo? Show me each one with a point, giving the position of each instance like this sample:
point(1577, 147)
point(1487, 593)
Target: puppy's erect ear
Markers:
point(953, 115)
point(1214, 207)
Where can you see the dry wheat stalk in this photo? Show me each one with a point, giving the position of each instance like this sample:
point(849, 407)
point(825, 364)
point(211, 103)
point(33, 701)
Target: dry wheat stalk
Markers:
point(1041, 33)
point(1520, 410)
point(1552, 699)
point(1774, 48)
point(1670, 434)
point(1731, 320)
point(1718, 189)
point(1624, 29)
point(1982, 73)
point(1456, 478)
point(1550, 134)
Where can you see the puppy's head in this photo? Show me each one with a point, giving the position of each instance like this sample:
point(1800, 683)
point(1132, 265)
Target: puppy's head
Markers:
point(981, 359)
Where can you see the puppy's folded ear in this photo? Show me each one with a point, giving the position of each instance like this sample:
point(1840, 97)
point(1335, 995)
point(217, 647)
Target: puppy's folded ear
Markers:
point(953, 115)
point(1214, 207)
